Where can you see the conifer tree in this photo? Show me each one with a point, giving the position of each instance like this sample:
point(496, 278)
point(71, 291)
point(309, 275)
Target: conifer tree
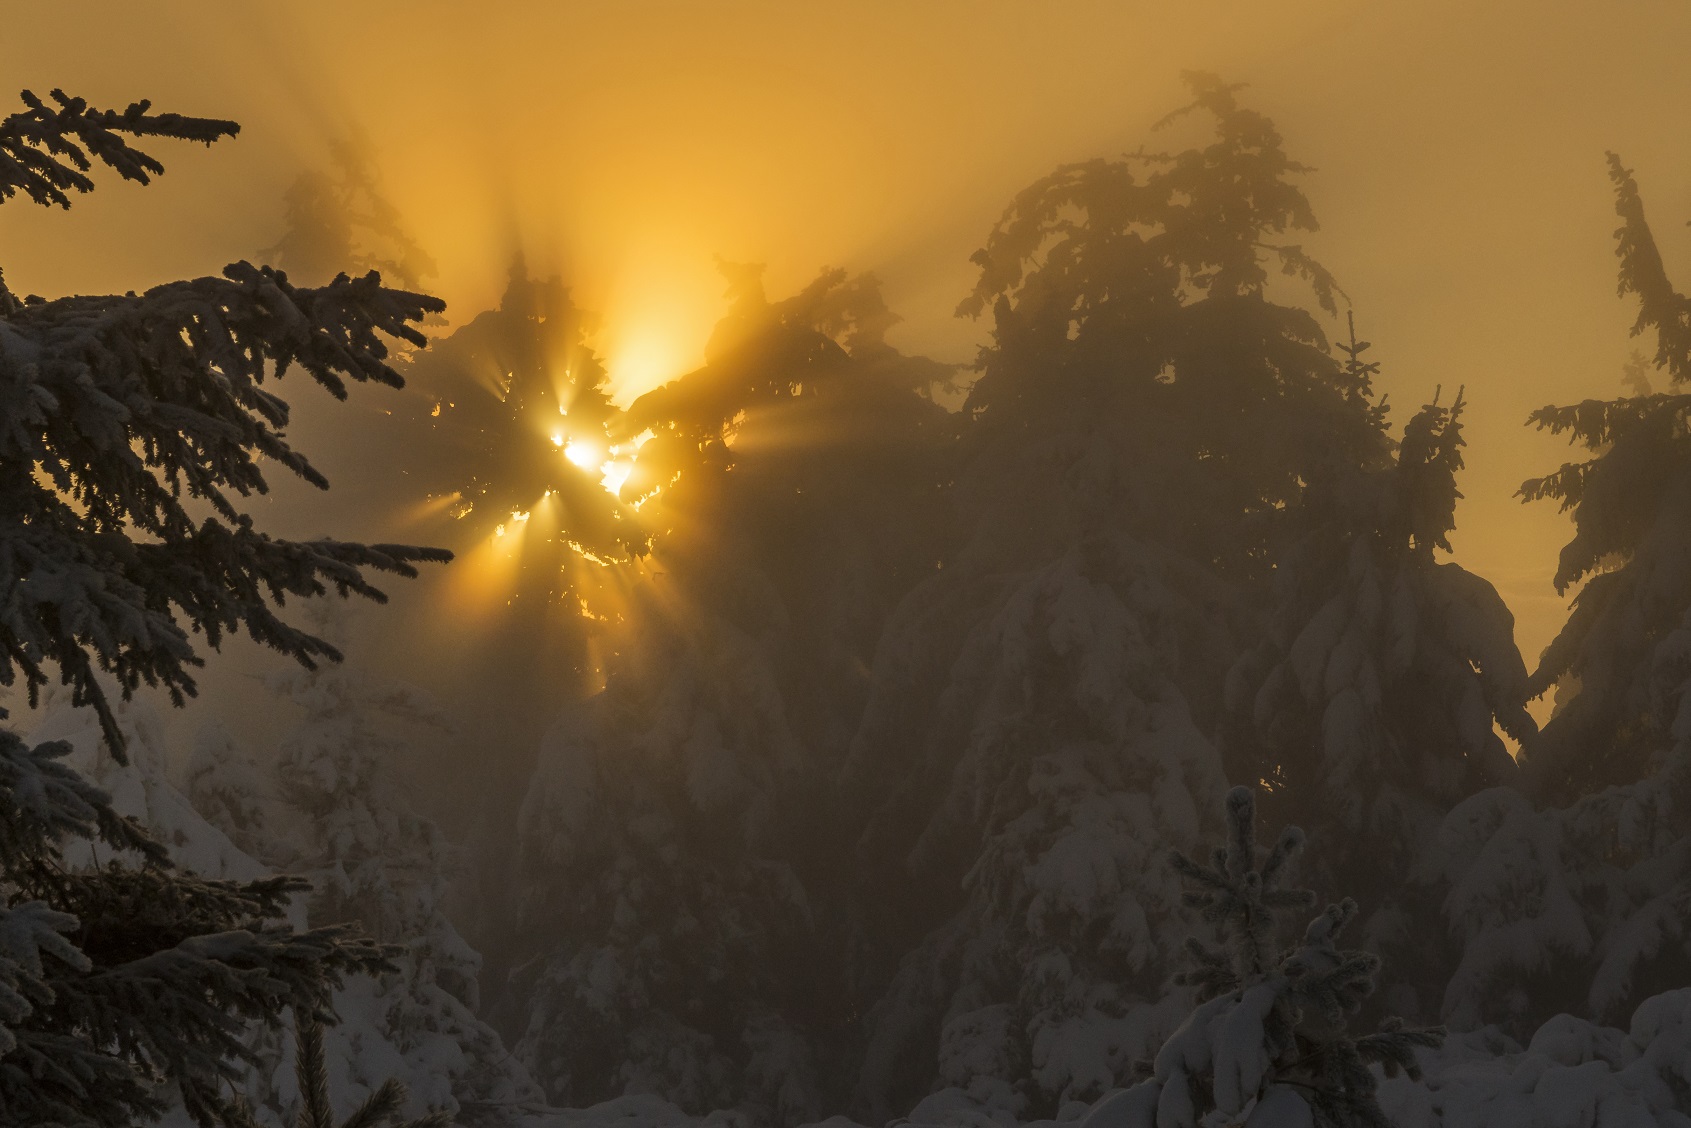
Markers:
point(119, 411)
point(381, 1109)
point(1575, 900)
point(679, 847)
point(344, 821)
point(341, 220)
point(1145, 423)
point(506, 395)
point(132, 975)
point(1267, 1044)
point(1627, 504)
point(487, 445)
point(1368, 708)
point(120, 419)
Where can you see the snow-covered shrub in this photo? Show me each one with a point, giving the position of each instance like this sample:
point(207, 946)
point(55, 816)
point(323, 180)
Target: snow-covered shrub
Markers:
point(1267, 1045)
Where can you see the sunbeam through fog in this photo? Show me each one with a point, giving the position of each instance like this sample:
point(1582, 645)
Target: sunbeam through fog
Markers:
point(863, 497)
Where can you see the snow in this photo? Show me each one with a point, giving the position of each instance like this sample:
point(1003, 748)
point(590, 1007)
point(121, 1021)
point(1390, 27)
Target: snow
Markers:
point(1573, 1074)
point(405, 1026)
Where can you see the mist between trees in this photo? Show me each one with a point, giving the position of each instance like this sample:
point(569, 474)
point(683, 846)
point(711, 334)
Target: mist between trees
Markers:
point(830, 732)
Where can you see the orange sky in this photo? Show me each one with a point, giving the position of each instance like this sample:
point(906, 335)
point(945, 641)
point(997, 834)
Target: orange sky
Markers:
point(1460, 150)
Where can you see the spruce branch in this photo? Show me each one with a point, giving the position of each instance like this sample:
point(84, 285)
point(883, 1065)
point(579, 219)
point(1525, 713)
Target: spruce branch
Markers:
point(46, 151)
point(381, 1109)
point(117, 414)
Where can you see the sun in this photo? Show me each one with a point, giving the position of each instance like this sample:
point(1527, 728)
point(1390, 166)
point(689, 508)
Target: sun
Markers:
point(615, 473)
point(583, 454)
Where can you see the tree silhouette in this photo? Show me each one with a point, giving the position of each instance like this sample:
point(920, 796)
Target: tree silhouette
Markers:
point(1573, 896)
point(1627, 503)
point(509, 395)
point(1149, 434)
point(122, 411)
point(340, 220)
point(130, 429)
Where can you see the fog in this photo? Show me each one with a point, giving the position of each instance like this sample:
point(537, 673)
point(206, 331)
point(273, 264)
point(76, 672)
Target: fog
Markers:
point(1457, 156)
point(1458, 152)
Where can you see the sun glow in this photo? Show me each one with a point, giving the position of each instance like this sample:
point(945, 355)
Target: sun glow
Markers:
point(584, 455)
point(486, 574)
point(620, 465)
point(615, 473)
point(641, 361)
point(656, 313)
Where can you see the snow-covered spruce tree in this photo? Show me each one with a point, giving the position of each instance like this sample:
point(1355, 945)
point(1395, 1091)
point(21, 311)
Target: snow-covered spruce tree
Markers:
point(141, 789)
point(1267, 1045)
point(228, 787)
point(1368, 707)
point(122, 978)
point(345, 823)
point(117, 414)
point(1577, 900)
point(476, 441)
point(679, 847)
point(411, 1025)
point(1628, 504)
point(1143, 431)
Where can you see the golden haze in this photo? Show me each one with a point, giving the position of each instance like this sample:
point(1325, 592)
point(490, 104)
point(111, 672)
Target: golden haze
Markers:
point(1460, 148)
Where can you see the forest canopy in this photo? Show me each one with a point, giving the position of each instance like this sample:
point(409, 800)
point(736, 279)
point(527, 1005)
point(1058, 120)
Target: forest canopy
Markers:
point(844, 728)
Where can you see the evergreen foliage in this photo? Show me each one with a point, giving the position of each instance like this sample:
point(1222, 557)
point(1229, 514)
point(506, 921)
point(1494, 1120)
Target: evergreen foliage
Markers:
point(47, 152)
point(1577, 899)
point(132, 974)
point(1189, 550)
point(1370, 706)
point(121, 419)
point(1267, 1043)
point(874, 719)
point(381, 1109)
point(1141, 416)
point(506, 394)
point(123, 416)
point(1627, 504)
point(413, 1024)
point(679, 846)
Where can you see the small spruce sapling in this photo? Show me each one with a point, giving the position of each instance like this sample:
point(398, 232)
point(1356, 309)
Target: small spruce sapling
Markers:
point(1267, 1045)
